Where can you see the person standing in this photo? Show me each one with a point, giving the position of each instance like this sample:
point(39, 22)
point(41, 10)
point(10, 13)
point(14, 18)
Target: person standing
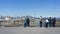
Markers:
point(27, 22)
point(50, 22)
point(53, 22)
point(46, 23)
point(40, 21)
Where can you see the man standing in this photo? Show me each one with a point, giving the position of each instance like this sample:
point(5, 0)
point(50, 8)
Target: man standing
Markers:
point(53, 22)
point(27, 22)
point(50, 22)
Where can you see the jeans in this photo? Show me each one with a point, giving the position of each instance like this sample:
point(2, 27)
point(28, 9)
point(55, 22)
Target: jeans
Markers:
point(46, 24)
point(26, 24)
point(53, 24)
point(50, 24)
point(40, 24)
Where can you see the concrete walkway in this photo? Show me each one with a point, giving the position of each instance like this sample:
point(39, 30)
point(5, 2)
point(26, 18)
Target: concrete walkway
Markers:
point(29, 30)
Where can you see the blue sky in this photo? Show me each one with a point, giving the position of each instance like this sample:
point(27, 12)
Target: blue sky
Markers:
point(45, 8)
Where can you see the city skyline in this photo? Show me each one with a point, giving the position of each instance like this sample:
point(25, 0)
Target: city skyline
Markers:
point(36, 8)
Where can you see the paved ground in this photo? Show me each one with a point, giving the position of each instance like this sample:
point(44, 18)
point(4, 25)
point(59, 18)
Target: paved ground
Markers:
point(29, 30)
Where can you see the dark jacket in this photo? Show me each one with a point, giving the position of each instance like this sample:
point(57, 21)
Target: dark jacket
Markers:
point(54, 20)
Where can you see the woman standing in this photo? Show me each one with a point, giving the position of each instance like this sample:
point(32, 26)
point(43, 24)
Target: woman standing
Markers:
point(47, 22)
point(40, 21)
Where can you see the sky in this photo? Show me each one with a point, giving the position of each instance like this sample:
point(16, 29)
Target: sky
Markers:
point(37, 8)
